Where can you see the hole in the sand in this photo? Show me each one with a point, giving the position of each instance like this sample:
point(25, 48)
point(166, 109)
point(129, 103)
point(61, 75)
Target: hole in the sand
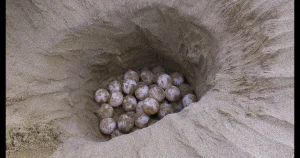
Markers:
point(102, 51)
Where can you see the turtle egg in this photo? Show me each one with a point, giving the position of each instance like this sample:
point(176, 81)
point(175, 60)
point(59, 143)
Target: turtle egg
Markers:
point(157, 93)
point(157, 69)
point(129, 103)
point(142, 92)
point(116, 133)
point(155, 77)
point(116, 99)
point(177, 106)
point(172, 93)
point(107, 125)
point(147, 76)
point(177, 78)
point(132, 75)
point(101, 96)
point(105, 111)
point(188, 99)
point(139, 106)
point(141, 120)
point(125, 123)
point(153, 85)
point(185, 89)
point(129, 86)
point(114, 86)
point(151, 106)
point(164, 109)
point(164, 81)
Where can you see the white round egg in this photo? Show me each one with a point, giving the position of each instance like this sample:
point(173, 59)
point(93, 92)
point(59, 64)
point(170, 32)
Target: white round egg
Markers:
point(129, 103)
point(172, 93)
point(139, 106)
point(141, 92)
point(141, 120)
point(107, 125)
point(116, 99)
point(151, 106)
point(177, 106)
point(164, 110)
point(164, 81)
point(114, 86)
point(188, 99)
point(177, 78)
point(131, 75)
point(129, 86)
point(185, 89)
point(101, 96)
point(157, 93)
point(125, 123)
point(105, 111)
point(147, 76)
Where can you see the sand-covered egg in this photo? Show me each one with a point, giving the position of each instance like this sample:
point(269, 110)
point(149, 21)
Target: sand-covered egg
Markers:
point(164, 81)
point(116, 99)
point(107, 125)
point(152, 85)
point(164, 109)
point(114, 86)
point(116, 133)
point(172, 93)
point(125, 123)
point(141, 120)
point(139, 106)
point(185, 89)
point(157, 93)
point(188, 99)
point(105, 111)
point(177, 78)
point(177, 106)
point(132, 75)
point(147, 76)
point(129, 103)
point(129, 86)
point(141, 92)
point(151, 106)
point(101, 96)
point(157, 69)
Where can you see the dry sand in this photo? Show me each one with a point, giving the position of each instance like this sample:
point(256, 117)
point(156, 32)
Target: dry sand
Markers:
point(238, 55)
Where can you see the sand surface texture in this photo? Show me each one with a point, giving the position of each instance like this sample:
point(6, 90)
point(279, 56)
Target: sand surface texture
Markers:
point(238, 56)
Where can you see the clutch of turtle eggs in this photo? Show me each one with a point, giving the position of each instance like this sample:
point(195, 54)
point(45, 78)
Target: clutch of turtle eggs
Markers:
point(145, 96)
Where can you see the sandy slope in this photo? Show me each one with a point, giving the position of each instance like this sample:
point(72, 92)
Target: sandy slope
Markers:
point(238, 54)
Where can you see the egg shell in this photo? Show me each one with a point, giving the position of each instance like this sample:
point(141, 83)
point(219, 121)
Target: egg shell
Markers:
point(129, 86)
point(125, 123)
point(188, 99)
point(172, 93)
point(105, 111)
point(164, 81)
point(116, 99)
point(151, 106)
point(101, 96)
point(129, 103)
point(107, 125)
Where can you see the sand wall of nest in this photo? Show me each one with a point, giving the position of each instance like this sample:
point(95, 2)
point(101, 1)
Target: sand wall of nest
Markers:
point(237, 54)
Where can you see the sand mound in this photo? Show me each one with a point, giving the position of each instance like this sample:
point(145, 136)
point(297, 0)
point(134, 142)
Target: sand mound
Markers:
point(238, 56)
